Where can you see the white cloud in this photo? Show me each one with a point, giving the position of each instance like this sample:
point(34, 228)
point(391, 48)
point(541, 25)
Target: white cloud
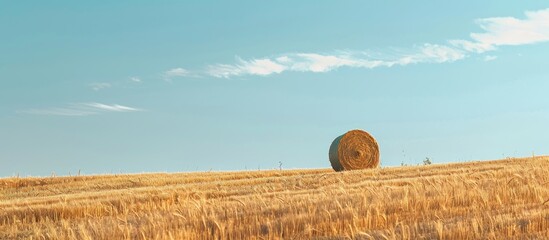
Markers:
point(489, 58)
point(81, 109)
point(224, 70)
point(260, 67)
point(500, 31)
point(175, 72)
point(109, 108)
point(99, 86)
point(283, 59)
point(318, 63)
point(312, 62)
point(439, 54)
point(472, 46)
point(135, 79)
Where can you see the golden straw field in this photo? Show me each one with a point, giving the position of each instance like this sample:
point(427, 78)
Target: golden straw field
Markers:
point(503, 199)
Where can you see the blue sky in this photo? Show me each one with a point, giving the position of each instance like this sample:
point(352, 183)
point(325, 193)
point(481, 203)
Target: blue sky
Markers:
point(147, 86)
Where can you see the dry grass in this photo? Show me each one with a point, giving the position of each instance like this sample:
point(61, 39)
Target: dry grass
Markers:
point(478, 200)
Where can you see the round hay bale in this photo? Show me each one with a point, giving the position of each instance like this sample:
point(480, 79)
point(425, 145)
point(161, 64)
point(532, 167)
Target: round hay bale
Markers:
point(353, 150)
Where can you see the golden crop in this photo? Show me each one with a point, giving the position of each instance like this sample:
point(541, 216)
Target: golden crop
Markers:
point(476, 200)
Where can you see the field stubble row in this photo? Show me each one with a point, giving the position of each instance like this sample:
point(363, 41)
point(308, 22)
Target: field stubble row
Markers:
point(487, 199)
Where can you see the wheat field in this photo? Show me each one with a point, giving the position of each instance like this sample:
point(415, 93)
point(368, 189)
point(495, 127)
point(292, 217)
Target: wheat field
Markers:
point(503, 199)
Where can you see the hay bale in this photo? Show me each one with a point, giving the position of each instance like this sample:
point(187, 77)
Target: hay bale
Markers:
point(355, 149)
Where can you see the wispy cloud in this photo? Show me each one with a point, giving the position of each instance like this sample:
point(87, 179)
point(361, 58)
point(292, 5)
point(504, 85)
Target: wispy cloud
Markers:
point(135, 79)
point(109, 108)
point(315, 62)
point(81, 109)
point(175, 72)
point(501, 31)
point(252, 67)
point(498, 31)
point(99, 86)
point(489, 58)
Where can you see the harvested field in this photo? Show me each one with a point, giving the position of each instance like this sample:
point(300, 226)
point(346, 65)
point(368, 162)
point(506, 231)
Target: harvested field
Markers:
point(476, 200)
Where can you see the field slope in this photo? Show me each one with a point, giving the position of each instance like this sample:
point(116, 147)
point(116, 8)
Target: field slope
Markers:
point(476, 200)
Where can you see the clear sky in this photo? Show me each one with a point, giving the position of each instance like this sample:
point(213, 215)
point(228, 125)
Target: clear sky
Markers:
point(148, 86)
